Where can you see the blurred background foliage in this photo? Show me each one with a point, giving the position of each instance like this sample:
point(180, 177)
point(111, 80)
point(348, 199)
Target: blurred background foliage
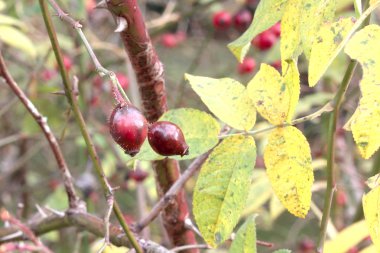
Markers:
point(28, 175)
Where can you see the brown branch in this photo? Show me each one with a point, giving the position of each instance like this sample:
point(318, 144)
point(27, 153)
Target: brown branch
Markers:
point(74, 201)
point(150, 76)
point(172, 192)
point(6, 216)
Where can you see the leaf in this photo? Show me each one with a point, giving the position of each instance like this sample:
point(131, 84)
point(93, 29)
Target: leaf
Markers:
point(17, 39)
point(326, 46)
point(222, 188)
point(200, 129)
point(227, 99)
point(365, 125)
point(11, 21)
point(270, 94)
point(275, 207)
point(288, 161)
point(261, 22)
point(290, 30)
point(347, 238)
point(245, 240)
point(314, 14)
point(371, 207)
point(292, 81)
point(283, 251)
point(364, 47)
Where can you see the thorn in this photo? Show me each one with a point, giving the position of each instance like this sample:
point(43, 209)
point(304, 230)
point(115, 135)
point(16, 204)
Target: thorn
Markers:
point(122, 24)
point(101, 5)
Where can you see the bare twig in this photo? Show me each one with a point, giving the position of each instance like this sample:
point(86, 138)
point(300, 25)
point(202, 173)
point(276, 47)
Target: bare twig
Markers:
point(12, 138)
point(6, 216)
point(42, 122)
point(176, 187)
point(107, 190)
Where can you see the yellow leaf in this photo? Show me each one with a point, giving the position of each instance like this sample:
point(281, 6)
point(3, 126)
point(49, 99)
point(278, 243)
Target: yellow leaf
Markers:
point(371, 207)
point(288, 161)
point(314, 13)
point(261, 22)
point(326, 46)
point(365, 125)
point(227, 99)
point(17, 39)
point(270, 94)
point(364, 47)
point(292, 81)
point(347, 238)
point(222, 188)
point(290, 30)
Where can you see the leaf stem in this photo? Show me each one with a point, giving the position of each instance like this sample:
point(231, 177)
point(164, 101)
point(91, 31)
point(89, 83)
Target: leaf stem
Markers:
point(82, 125)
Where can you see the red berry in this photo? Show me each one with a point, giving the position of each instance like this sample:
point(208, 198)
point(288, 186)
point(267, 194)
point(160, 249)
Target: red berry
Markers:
point(341, 198)
point(169, 40)
point(67, 62)
point(138, 175)
point(247, 66)
point(123, 80)
point(264, 40)
point(276, 64)
point(167, 139)
point(276, 29)
point(128, 128)
point(306, 245)
point(222, 20)
point(242, 20)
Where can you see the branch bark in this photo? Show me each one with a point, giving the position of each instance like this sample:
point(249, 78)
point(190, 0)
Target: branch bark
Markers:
point(150, 76)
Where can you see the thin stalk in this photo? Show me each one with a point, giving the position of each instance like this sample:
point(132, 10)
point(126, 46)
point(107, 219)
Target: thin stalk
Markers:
point(82, 125)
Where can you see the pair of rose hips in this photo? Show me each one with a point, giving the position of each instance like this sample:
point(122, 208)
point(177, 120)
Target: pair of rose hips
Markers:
point(129, 128)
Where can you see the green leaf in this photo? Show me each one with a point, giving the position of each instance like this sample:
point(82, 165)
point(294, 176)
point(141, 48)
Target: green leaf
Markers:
point(200, 129)
point(227, 99)
point(287, 157)
point(314, 14)
point(326, 46)
point(17, 39)
point(222, 188)
point(261, 22)
point(245, 240)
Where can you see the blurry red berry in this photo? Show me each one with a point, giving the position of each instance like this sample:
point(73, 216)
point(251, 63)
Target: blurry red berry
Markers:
point(264, 40)
point(306, 245)
point(276, 29)
point(138, 175)
point(341, 198)
point(169, 40)
point(48, 74)
point(247, 66)
point(67, 62)
point(222, 20)
point(123, 80)
point(128, 127)
point(167, 139)
point(242, 20)
point(276, 64)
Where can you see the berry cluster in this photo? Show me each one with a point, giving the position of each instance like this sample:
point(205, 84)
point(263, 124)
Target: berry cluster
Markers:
point(129, 129)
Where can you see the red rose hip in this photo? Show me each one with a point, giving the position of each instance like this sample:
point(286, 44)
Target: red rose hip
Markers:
point(247, 66)
point(128, 128)
point(222, 20)
point(264, 40)
point(242, 20)
point(167, 139)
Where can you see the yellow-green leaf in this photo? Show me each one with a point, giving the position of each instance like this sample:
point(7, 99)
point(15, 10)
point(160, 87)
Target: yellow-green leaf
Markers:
point(371, 207)
point(347, 238)
point(11, 21)
point(227, 99)
point(365, 125)
point(200, 129)
point(245, 240)
point(314, 13)
point(290, 30)
point(222, 188)
point(270, 94)
point(288, 161)
point(14, 38)
point(326, 46)
point(364, 47)
point(292, 81)
point(261, 22)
